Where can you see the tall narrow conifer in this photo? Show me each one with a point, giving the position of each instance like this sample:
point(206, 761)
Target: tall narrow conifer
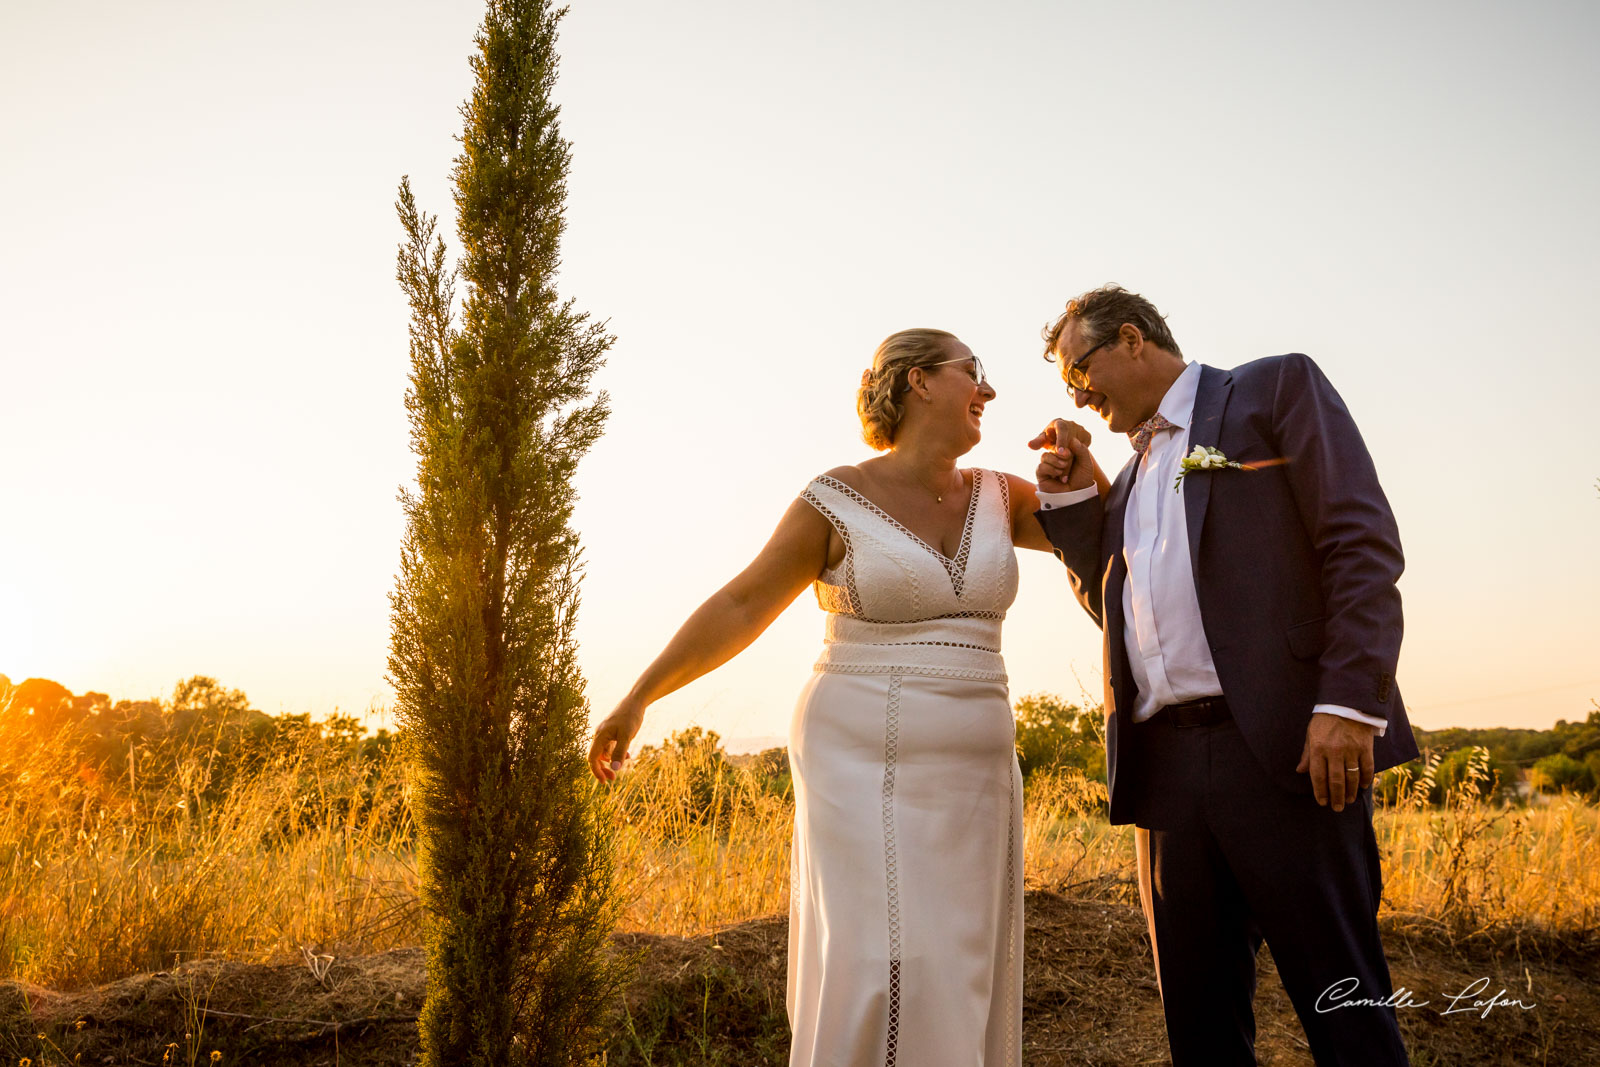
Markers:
point(514, 874)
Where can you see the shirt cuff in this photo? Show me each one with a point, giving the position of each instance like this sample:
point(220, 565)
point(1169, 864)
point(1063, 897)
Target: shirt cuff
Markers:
point(1349, 713)
point(1056, 501)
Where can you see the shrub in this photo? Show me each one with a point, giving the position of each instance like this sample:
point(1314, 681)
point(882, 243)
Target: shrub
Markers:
point(1561, 773)
point(1056, 736)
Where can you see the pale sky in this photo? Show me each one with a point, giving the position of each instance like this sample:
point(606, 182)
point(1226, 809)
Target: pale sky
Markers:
point(205, 349)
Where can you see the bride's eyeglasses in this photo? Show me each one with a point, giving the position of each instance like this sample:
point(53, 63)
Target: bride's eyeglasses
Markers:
point(975, 371)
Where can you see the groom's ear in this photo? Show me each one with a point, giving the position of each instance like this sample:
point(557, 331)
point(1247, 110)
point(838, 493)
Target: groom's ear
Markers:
point(1133, 337)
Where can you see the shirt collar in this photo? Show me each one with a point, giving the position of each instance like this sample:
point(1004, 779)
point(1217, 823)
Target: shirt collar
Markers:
point(1177, 406)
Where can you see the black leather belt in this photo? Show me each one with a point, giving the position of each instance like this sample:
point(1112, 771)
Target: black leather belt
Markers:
point(1207, 711)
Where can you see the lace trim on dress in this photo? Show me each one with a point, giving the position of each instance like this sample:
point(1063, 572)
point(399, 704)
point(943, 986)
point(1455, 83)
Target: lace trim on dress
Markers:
point(971, 674)
point(929, 618)
point(946, 644)
point(1011, 919)
point(957, 567)
point(828, 592)
point(845, 599)
point(958, 580)
point(891, 753)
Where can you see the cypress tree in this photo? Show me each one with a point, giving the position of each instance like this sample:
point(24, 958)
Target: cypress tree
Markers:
point(513, 869)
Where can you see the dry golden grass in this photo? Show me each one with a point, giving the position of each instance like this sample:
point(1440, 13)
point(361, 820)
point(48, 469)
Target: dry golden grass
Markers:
point(97, 887)
point(1471, 866)
point(1067, 844)
point(700, 842)
point(1467, 867)
point(285, 867)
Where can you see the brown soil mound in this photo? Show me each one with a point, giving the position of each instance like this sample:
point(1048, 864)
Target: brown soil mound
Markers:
point(1090, 999)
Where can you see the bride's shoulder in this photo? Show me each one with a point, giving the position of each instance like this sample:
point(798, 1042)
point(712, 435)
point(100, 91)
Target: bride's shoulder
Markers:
point(848, 474)
point(1015, 481)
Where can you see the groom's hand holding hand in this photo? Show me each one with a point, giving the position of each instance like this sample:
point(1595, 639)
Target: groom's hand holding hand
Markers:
point(1065, 465)
point(1338, 753)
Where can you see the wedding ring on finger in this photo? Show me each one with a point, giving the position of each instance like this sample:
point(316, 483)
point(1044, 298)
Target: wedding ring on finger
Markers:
point(1352, 767)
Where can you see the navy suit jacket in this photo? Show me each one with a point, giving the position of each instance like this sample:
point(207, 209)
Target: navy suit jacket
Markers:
point(1295, 565)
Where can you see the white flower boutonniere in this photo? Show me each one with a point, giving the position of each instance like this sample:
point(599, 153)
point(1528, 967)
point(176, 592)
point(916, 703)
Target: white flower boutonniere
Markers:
point(1204, 459)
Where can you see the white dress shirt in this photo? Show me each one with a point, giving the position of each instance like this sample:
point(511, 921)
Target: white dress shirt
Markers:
point(1162, 631)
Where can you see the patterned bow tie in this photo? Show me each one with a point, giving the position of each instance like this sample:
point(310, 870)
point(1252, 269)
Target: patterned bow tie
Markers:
point(1140, 437)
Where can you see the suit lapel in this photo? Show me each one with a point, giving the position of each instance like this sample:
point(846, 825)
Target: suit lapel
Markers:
point(1116, 570)
point(1116, 512)
point(1205, 428)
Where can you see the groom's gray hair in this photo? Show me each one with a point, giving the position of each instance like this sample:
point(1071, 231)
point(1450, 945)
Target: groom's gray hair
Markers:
point(1101, 313)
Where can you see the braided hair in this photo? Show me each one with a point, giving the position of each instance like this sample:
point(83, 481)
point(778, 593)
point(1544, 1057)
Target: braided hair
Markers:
point(879, 400)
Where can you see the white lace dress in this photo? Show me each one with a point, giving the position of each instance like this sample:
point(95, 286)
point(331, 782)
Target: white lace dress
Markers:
point(905, 921)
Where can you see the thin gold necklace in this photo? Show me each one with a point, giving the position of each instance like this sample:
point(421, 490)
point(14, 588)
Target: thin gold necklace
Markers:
point(938, 496)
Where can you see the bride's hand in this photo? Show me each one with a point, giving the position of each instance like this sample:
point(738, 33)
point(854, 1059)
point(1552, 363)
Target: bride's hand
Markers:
point(1066, 464)
point(612, 738)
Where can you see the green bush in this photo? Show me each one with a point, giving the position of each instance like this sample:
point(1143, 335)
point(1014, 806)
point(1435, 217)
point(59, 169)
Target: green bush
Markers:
point(1561, 773)
point(1491, 775)
point(1053, 735)
point(1429, 781)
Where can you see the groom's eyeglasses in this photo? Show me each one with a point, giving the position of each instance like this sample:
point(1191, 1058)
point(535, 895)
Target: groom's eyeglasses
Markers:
point(1076, 377)
point(975, 371)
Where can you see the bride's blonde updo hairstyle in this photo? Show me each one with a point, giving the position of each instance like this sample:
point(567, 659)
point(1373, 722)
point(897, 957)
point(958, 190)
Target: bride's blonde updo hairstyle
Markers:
point(879, 400)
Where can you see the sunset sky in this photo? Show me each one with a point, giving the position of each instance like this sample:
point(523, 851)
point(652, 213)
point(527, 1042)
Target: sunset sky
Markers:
point(205, 359)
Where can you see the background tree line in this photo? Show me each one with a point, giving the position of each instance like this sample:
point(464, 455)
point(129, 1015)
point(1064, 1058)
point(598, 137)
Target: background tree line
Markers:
point(126, 754)
point(127, 749)
point(1053, 734)
point(1057, 736)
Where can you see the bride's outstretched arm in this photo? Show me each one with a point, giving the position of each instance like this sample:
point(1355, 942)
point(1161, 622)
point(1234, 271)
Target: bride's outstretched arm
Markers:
point(721, 628)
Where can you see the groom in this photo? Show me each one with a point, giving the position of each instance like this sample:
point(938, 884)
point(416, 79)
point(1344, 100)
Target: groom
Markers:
point(1252, 627)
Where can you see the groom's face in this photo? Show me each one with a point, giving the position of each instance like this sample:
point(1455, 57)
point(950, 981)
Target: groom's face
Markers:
point(1113, 390)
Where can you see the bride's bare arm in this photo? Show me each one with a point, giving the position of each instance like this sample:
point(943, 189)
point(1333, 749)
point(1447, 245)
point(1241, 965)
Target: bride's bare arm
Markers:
point(721, 628)
point(1025, 529)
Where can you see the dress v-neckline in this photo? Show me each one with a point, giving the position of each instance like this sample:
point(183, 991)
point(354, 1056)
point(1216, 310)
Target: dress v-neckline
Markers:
point(956, 566)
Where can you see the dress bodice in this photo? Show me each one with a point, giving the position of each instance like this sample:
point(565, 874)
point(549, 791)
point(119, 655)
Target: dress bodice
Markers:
point(896, 603)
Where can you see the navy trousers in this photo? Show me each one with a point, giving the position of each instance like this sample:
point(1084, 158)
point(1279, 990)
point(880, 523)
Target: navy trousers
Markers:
point(1227, 859)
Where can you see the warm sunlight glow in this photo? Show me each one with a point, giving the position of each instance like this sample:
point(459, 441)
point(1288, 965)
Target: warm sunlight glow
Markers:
point(206, 348)
point(16, 637)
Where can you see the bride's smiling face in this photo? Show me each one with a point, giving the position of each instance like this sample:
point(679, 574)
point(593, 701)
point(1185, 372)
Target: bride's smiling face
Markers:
point(956, 391)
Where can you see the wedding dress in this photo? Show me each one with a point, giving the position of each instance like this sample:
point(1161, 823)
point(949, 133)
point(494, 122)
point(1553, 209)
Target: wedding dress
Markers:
point(905, 920)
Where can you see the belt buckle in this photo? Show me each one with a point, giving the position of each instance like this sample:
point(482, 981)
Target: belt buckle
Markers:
point(1196, 714)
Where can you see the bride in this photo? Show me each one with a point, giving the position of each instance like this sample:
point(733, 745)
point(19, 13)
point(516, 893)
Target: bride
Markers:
point(905, 921)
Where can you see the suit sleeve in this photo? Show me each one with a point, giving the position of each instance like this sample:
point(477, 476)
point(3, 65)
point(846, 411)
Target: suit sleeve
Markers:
point(1348, 518)
point(1075, 533)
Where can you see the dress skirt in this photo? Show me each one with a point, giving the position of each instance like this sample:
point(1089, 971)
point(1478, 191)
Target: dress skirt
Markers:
point(905, 921)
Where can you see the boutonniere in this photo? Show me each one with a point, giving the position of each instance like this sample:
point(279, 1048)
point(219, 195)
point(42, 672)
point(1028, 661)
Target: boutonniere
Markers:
point(1204, 459)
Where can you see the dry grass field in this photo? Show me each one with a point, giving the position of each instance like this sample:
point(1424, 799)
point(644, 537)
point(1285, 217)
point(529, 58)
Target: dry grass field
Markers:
point(281, 915)
point(1466, 868)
